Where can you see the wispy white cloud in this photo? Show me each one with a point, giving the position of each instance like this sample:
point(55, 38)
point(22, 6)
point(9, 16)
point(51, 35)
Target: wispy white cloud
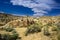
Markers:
point(38, 14)
point(1, 12)
point(40, 7)
point(18, 15)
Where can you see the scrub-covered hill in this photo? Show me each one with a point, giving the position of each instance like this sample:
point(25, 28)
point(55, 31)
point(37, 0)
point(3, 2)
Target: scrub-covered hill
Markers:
point(30, 28)
point(5, 18)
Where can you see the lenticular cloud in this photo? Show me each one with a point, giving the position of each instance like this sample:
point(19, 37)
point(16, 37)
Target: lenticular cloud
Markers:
point(40, 7)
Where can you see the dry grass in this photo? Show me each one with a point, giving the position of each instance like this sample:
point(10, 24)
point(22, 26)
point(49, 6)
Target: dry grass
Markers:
point(35, 36)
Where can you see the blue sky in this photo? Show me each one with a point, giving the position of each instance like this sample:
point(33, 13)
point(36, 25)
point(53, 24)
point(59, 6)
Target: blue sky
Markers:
point(31, 7)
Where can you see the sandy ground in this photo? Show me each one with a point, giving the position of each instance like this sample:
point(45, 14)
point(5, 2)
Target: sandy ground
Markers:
point(35, 36)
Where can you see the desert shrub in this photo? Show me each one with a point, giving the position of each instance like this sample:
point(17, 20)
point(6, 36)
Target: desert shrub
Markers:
point(5, 37)
point(9, 37)
point(58, 30)
point(1, 28)
point(46, 31)
point(13, 31)
point(9, 29)
point(58, 26)
point(50, 24)
point(15, 36)
point(33, 29)
point(0, 36)
point(54, 29)
point(58, 36)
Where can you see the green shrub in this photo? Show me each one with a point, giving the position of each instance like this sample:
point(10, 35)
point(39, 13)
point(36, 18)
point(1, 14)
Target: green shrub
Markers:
point(33, 29)
point(13, 31)
point(9, 29)
point(58, 37)
point(1, 28)
point(54, 29)
point(46, 31)
point(9, 37)
point(5, 36)
point(15, 35)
